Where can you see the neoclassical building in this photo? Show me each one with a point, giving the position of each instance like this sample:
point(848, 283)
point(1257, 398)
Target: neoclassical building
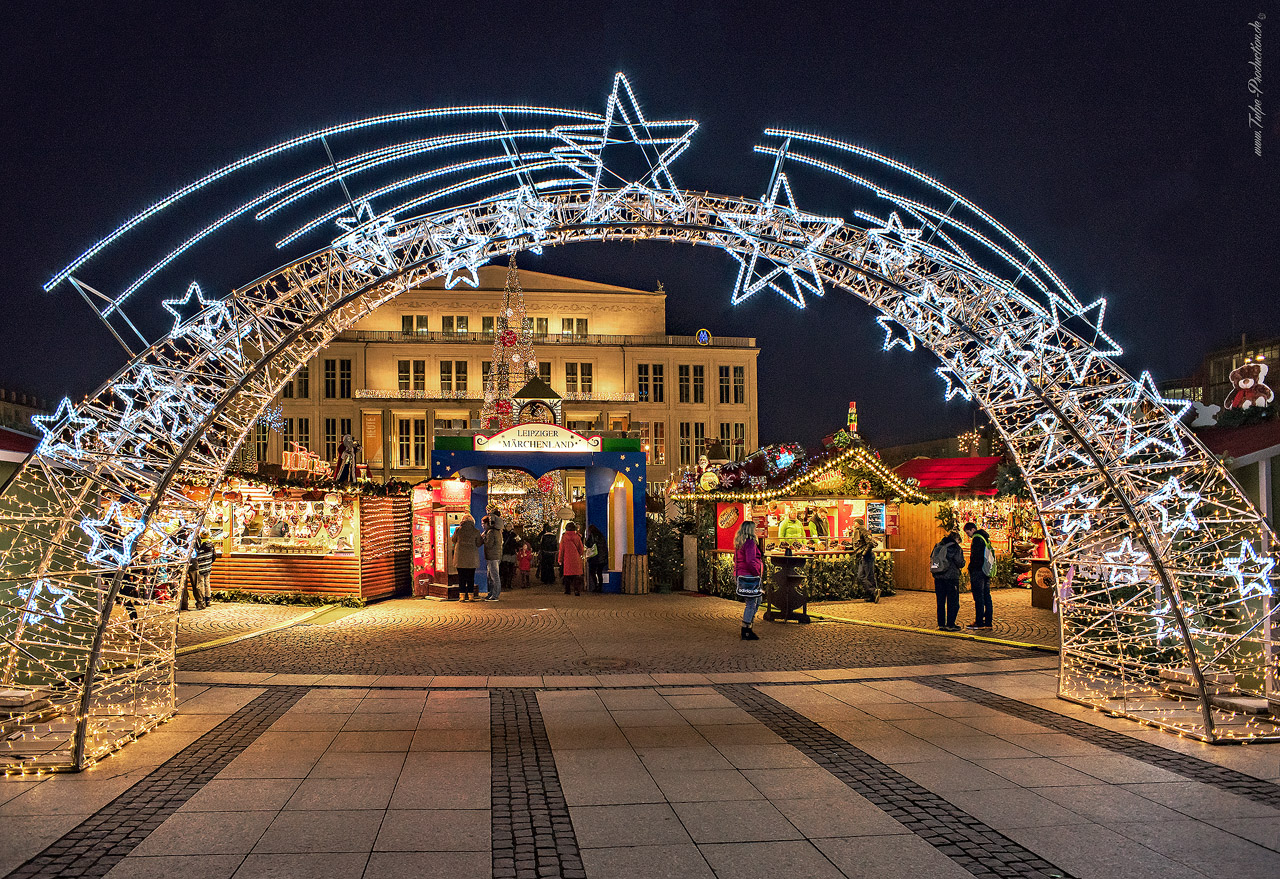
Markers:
point(418, 365)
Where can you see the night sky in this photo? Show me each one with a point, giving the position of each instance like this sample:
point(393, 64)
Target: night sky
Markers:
point(1112, 137)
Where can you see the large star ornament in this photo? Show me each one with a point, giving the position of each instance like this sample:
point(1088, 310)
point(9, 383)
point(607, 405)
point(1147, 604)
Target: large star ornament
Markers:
point(624, 127)
point(772, 240)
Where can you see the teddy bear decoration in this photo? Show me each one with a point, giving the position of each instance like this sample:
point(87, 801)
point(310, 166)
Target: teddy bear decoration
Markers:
point(1248, 387)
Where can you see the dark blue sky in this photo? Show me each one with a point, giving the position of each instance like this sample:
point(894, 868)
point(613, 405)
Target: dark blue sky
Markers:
point(1111, 137)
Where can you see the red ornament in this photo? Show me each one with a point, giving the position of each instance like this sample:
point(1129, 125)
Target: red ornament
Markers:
point(503, 407)
point(508, 338)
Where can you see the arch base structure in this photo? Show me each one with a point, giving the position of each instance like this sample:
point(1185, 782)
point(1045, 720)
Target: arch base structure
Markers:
point(1166, 596)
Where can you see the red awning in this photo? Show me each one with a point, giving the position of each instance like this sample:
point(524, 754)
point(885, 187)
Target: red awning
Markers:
point(1238, 442)
point(15, 446)
point(954, 475)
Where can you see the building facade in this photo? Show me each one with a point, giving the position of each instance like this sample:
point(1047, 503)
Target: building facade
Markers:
point(418, 365)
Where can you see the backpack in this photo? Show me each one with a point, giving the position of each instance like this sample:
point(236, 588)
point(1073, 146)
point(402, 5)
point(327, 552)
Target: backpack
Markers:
point(988, 558)
point(938, 563)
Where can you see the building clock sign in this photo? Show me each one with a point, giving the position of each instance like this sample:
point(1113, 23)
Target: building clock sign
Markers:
point(537, 438)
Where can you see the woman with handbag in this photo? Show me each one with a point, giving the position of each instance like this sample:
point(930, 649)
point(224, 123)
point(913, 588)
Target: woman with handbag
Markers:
point(748, 567)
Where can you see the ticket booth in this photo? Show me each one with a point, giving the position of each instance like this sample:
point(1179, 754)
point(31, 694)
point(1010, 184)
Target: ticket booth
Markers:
point(438, 508)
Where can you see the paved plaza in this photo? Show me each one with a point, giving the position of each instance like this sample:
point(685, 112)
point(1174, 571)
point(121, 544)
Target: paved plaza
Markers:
point(540, 631)
point(612, 737)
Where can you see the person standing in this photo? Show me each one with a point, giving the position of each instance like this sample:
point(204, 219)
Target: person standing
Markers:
point(206, 555)
point(570, 558)
point(492, 542)
point(547, 549)
point(748, 569)
point(597, 563)
point(863, 547)
point(980, 574)
point(466, 556)
point(524, 564)
point(945, 562)
point(508, 566)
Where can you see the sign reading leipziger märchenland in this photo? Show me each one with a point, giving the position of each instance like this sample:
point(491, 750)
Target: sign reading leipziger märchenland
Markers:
point(537, 438)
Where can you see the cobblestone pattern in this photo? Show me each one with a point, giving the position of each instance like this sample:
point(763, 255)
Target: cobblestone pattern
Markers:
point(94, 846)
point(1192, 768)
point(532, 833)
point(225, 619)
point(537, 631)
point(1013, 616)
point(973, 845)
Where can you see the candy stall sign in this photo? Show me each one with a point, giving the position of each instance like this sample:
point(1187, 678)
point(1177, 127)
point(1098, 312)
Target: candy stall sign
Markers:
point(537, 438)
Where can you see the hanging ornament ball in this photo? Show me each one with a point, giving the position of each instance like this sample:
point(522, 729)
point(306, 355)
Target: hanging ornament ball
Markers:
point(509, 312)
point(515, 358)
point(508, 338)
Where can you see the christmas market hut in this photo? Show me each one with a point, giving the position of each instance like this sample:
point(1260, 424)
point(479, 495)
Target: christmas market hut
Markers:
point(988, 492)
point(310, 537)
point(815, 502)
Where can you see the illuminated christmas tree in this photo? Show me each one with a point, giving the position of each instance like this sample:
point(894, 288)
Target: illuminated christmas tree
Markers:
point(514, 362)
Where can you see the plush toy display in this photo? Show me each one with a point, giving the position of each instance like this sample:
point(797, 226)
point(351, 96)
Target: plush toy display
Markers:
point(1248, 388)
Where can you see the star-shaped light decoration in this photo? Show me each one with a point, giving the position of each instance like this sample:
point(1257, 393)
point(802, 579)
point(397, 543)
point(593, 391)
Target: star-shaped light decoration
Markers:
point(1156, 427)
point(892, 246)
point(780, 240)
point(525, 214)
point(31, 592)
point(185, 307)
point(1172, 495)
point(369, 237)
point(208, 323)
point(1053, 450)
point(156, 407)
point(1008, 364)
point(624, 128)
point(65, 432)
point(933, 306)
point(1128, 566)
point(112, 536)
point(955, 383)
point(1101, 345)
point(896, 334)
point(1077, 515)
point(461, 250)
point(1257, 579)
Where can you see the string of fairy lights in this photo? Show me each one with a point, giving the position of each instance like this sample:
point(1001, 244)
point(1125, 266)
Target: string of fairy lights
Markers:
point(1164, 568)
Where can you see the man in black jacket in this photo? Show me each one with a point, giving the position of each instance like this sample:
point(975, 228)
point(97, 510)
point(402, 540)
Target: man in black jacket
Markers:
point(944, 563)
point(979, 582)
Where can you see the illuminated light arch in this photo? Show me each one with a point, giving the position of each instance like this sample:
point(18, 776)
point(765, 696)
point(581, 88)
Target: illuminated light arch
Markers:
point(1165, 566)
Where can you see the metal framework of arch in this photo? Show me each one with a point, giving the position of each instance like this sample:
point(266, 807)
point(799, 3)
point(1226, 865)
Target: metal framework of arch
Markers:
point(1164, 565)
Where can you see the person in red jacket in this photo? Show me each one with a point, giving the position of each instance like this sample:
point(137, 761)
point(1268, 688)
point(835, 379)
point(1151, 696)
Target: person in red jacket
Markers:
point(570, 558)
point(748, 568)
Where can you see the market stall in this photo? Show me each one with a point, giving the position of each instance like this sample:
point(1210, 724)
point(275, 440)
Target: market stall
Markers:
point(335, 543)
point(807, 503)
point(1011, 521)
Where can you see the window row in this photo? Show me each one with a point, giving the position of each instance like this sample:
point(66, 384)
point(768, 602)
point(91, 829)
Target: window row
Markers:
point(693, 440)
point(461, 323)
point(691, 383)
point(578, 379)
point(337, 381)
point(411, 438)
